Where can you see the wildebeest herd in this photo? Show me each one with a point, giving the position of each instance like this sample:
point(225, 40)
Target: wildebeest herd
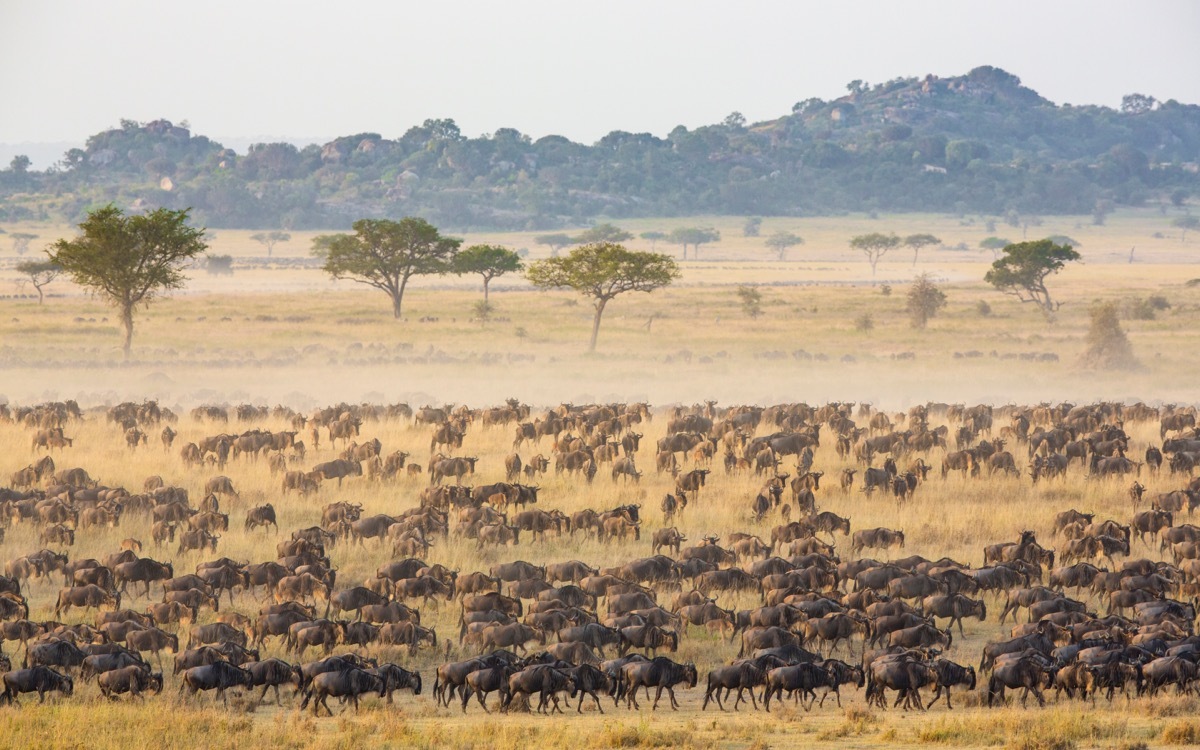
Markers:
point(1110, 602)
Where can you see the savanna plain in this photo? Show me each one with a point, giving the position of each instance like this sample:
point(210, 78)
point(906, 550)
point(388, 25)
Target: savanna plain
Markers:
point(279, 332)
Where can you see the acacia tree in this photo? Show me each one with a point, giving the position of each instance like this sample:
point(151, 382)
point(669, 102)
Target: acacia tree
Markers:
point(21, 241)
point(603, 233)
point(995, 244)
point(602, 271)
point(653, 237)
point(781, 241)
point(874, 246)
point(1184, 223)
point(694, 236)
point(386, 254)
point(1023, 270)
point(40, 272)
point(130, 260)
point(556, 241)
point(489, 261)
point(270, 239)
point(918, 241)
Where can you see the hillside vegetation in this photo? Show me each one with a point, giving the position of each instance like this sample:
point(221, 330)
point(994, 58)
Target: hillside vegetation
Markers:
point(980, 143)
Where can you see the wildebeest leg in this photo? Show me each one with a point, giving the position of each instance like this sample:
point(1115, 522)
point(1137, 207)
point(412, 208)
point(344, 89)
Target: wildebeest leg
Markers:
point(482, 701)
point(466, 696)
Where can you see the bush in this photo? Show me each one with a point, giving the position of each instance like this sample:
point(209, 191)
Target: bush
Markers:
point(864, 323)
point(924, 300)
point(218, 265)
point(1181, 733)
point(983, 308)
point(885, 290)
point(1108, 347)
point(751, 300)
point(1137, 308)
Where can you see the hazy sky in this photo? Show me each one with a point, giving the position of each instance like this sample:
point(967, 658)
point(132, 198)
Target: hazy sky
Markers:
point(579, 69)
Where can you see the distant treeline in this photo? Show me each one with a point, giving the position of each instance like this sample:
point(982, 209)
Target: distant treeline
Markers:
point(978, 143)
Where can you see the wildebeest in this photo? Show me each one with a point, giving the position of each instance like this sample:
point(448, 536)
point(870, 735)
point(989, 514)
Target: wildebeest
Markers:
point(219, 676)
point(262, 515)
point(132, 679)
point(661, 673)
point(350, 683)
point(40, 680)
point(337, 469)
point(879, 538)
point(90, 596)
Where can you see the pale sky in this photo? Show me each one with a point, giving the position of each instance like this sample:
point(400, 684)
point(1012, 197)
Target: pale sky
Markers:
point(578, 69)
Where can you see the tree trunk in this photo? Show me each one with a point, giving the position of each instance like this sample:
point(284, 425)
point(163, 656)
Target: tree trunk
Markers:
point(486, 281)
point(127, 321)
point(40, 295)
point(398, 299)
point(596, 323)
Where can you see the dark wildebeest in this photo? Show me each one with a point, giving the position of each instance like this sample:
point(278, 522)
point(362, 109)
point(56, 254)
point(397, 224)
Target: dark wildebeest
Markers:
point(350, 683)
point(484, 681)
point(661, 673)
point(219, 676)
point(40, 680)
point(271, 673)
point(132, 679)
point(955, 607)
point(742, 676)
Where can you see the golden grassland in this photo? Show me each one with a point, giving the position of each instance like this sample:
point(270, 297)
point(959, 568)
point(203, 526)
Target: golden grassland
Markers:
point(288, 335)
point(954, 516)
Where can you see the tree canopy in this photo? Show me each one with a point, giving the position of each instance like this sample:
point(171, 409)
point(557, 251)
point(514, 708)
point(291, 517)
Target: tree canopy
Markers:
point(874, 245)
point(270, 239)
point(1185, 223)
point(1023, 269)
point(694, 236)
point(489, 261)
point(601, 272)
point(41, 273)
point(130, 260)
point(603, 233)
point(917, 241)
point(556, 241)
point(653, 237)
point(385, 254)
point(781, 241)
point(21, 241)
